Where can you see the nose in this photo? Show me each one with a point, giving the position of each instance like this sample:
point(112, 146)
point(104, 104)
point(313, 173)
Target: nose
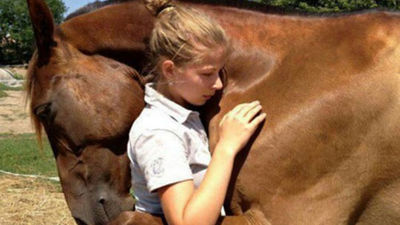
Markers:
point(102, 200)
point(79, 221)
point(218, 83)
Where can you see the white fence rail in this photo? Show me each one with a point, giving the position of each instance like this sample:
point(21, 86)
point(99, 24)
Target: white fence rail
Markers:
point(31, 176)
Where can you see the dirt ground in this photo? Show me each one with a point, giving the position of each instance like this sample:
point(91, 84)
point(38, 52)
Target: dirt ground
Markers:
point(30, 201)
point(14, 117)
point(27, 201)
point(19, 69)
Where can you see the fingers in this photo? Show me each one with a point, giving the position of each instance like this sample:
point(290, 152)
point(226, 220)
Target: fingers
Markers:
point(239, 124)
point(235, 111)
point(251, 112)
point(258, 119)
point(244, 112)
point(238, 108)
point(247, 107)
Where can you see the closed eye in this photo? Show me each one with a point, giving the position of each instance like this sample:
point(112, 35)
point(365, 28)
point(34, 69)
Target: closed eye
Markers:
point(42, 111)
point(207, 74)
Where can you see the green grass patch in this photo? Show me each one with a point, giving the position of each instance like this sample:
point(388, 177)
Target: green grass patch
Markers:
point(18, 76)
point(21, 154)
point(3, 94)
point(4, 87)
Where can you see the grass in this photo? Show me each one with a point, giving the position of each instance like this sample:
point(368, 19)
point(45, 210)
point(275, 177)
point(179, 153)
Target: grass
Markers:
point(21, 154)
point(4, 87)
point(18, 76)
point(3, 94)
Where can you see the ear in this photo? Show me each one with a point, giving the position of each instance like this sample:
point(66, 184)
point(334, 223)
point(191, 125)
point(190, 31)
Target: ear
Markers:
point(168, 69)
point(43, 27)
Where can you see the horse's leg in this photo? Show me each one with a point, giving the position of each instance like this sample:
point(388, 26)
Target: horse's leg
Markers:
point(251, 217)
point(383, 208)
point(136, 218)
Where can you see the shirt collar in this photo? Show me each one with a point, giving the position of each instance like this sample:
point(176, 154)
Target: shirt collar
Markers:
point(156, 99)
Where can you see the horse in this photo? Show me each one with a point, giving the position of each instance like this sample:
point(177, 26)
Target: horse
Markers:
point(328, 153)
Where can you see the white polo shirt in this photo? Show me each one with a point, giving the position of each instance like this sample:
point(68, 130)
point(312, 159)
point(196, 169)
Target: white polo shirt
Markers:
point(167, 144)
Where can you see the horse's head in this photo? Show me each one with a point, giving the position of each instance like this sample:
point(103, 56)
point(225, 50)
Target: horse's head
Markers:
point(86, 104)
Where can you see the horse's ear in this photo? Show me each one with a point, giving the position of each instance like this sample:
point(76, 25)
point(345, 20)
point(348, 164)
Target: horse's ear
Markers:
point(43, 27)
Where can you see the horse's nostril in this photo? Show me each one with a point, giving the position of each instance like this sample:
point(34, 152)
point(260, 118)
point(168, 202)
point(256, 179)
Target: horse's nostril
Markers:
point(79, 222)
point(102, 200)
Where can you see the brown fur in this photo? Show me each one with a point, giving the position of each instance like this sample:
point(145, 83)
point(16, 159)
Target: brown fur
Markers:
point(327, 154)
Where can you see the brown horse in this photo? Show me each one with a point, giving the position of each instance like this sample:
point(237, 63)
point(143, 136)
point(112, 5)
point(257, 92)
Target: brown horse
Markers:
point(329, 153)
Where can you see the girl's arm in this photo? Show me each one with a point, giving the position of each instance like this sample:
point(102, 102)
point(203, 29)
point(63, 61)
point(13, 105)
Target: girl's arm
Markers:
point(182, 204)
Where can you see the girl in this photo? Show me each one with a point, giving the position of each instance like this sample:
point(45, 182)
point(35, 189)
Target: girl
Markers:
point(173, 172)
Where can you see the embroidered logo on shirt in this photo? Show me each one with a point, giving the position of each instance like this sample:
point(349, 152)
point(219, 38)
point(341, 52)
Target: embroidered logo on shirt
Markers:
point(157, 167)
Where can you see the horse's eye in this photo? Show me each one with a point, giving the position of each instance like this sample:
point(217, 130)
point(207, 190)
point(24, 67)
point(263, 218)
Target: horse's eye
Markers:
point(43, 111)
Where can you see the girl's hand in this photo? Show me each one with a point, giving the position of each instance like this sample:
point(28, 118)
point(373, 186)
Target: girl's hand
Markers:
point(181, 202)
point(237, 126)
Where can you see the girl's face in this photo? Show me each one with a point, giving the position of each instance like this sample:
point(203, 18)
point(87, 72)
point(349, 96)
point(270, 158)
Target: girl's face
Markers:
point(196, 83)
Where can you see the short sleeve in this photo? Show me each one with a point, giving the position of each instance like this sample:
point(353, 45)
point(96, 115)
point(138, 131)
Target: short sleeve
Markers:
point(160, 155)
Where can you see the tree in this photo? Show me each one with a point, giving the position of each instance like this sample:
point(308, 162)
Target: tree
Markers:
point(333, 5)
point(17, 39)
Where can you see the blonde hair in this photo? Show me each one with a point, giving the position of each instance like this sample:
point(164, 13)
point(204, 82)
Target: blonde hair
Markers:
point(181, 34)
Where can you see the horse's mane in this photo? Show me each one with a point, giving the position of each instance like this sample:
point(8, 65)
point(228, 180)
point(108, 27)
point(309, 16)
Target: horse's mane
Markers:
point(92, 7)
point(259, 7)
point(29, 85)
point(254, 6)
point(242, 4)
